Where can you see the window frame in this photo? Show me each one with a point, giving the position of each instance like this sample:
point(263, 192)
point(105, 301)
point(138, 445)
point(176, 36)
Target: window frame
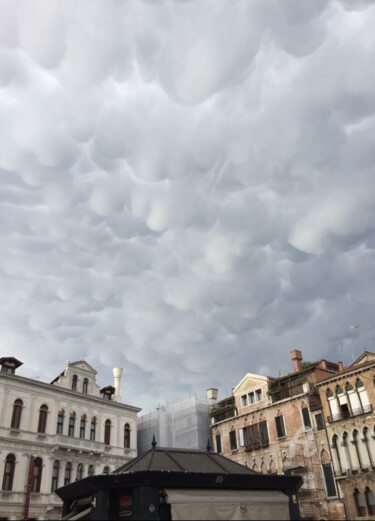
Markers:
point(233, 440)
point(127, 436)
point(280, 426)
point(16, 414)
point(37, 476)
point(42, 421)
point(9, 471)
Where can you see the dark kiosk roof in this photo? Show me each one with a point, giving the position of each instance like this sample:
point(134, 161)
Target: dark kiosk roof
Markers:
point(183, 460)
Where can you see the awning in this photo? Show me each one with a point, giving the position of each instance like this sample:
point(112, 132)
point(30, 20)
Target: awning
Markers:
point(191, 504)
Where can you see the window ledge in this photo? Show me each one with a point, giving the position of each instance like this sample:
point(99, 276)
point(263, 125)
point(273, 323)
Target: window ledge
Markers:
point(234, 451)
point(281, 437)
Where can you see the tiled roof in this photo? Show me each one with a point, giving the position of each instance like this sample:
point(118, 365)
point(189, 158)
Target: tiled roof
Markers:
point(183, 460)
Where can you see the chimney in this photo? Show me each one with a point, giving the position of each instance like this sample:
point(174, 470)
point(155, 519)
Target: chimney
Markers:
point(323, 364)
point(117, 372)
point(296, 356)
point(341, 367)
point(212, 395)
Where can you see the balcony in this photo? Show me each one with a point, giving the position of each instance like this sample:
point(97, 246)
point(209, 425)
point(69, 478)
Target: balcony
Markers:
point(257, 445)
point(69, 442)
point(343, 415)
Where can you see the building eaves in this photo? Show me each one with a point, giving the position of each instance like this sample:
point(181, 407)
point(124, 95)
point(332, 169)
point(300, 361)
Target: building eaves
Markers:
point(353, 369)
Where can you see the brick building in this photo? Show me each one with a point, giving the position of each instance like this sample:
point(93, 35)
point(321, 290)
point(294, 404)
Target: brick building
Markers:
point(347, 400)
point(276, 426)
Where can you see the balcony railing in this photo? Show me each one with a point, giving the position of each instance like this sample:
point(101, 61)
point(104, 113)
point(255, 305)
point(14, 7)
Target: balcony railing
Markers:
point(343, 415)
point(72, 443)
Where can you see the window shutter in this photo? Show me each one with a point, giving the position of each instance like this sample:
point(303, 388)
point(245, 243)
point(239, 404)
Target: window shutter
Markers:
point(330, 482)
point(306, 417)
point(233, 440)
point(280, 426)
point(218, 444)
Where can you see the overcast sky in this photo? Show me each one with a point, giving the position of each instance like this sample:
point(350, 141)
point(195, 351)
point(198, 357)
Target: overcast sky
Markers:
point(186, 187)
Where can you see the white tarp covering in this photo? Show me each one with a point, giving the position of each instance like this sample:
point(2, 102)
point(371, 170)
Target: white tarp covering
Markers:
point(191, 504)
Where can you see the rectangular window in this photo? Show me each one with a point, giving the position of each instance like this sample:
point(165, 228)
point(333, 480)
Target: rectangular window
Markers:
point(233, 440)
point(241, 437)
point(319, 422)
point(251, 397)
point(218, 443)
point(244, 400)
point(306, 418)
point(280, 427)
point(258, 395)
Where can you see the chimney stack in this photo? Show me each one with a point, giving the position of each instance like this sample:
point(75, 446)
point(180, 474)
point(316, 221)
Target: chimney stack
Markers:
point(323, 364)
point(212, 395)
point(296, 356)
point(341, 367)
point(117, 372)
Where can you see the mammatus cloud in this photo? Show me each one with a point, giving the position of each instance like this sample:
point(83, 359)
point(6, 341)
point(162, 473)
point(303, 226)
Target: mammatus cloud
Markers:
point(186, 191)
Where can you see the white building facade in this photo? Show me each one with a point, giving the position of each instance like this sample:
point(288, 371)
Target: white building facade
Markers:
point(54, 434)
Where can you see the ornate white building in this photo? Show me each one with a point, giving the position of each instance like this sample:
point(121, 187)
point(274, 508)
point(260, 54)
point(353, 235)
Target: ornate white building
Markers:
point(57, 433)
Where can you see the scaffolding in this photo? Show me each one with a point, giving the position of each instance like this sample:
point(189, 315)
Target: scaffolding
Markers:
point(301, 458)
point(184, 425)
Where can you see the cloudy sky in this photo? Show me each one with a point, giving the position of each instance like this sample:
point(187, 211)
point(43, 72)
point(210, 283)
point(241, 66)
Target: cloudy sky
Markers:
point(186, 187)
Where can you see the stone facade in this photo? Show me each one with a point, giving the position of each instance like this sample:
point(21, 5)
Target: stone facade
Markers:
point(347, 401)
point(276, 426)
point(68, 429)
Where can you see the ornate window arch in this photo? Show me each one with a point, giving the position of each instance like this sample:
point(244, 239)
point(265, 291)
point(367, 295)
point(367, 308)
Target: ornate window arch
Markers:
point(60, 421)
point(37, 475)
point(55, 475)
point(359, 503)
point(107, 432)
point(370, 501)
point(85, 385)
point(68, 473)
point(127, 436)
point(72, 421)
point(74, 382)
point(328, 473)
point(42, 423)
point(17, 413)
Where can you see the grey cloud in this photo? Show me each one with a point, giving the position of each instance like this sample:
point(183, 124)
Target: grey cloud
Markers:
point(185, 190)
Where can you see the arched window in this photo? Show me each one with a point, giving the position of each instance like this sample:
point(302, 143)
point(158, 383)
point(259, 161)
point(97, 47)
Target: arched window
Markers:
point(74, 382)
point(106, 470)
point(55, 475)
point(359, 384)
point(359, 503)
point(72, 421)
point(107, 432)
point(79, 471)
point(91, 470)
point(328, 474)
point(329, 393)
point(37, 475)
point(335, 447)
point(367, 445)
point(273, 469)
point(370, 500)
point(60, 421)
point(127, 436)
point(93, 428)
point(82, 426)
point(345, 443)
point(68, 473)
point(16, 416)
point(356, 446)
point(339, 390)
point(85, 386)
point(43, 411)
point(10, 465)
point(348, 387)
point(306, 418)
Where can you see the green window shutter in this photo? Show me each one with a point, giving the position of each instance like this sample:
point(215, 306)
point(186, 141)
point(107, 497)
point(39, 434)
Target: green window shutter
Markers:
point(280, 427)
point(218, 444)
point(306, 417)
point(330, 482)
point(319, 422)
point(233, 440)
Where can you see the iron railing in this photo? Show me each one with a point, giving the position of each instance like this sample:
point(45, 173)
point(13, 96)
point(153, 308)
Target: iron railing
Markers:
point(365, 409)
